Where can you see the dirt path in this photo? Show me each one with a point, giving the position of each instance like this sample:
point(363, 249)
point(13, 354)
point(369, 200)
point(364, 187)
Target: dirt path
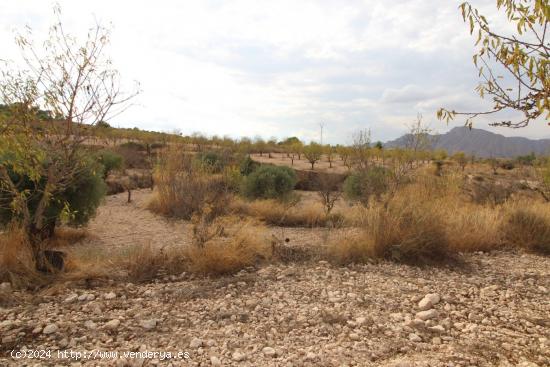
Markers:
point(119, 223)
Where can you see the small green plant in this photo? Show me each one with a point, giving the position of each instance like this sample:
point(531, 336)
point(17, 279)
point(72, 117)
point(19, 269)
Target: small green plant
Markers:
point(365, 184)
point(269, 182)
point(211, 161)
point(248, 165)
point(110, 160)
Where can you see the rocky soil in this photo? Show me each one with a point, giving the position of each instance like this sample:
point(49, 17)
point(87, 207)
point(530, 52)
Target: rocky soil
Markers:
point(491, 311)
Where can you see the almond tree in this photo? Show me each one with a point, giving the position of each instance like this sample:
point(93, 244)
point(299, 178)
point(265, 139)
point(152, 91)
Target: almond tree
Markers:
point(313, 153)
point(514, 68)
point(42, 162)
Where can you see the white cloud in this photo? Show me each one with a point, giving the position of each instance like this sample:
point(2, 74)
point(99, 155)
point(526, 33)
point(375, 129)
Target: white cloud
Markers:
point(249, 67)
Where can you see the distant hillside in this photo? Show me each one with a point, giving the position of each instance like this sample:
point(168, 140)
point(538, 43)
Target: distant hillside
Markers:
point(482, 143)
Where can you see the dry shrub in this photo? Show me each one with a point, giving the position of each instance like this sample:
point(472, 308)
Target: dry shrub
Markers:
point(351, 248)
point(528, 227)
point(408, 228)
point(184, 189)
point(91, 263)
point(278, 213)
point(133, 263)
point(235, 249)
point(146, 263)
point(404, 232)
point(66, 236)
point(472, 227)
point(16, 262)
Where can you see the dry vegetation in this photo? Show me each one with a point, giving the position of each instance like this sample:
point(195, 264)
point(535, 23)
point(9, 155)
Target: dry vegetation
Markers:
point(430, 219)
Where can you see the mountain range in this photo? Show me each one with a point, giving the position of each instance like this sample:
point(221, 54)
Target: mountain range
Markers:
point(481, 143)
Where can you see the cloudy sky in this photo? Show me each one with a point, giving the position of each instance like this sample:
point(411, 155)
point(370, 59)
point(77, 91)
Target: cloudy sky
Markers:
point(279, 68)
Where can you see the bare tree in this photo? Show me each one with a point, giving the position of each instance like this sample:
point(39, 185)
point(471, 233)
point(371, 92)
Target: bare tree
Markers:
point(360, 149)
point(328, 191)
point(418, 138)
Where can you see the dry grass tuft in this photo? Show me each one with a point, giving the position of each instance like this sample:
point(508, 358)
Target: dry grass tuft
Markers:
point(66, 236)
point(282, 214)
point(528, 227)
point(146, 263)
point(410, 233)
point(472, 227)
point(16, 263)
point(237, 249)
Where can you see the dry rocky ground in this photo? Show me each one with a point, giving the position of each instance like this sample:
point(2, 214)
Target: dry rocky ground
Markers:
point(490, 310)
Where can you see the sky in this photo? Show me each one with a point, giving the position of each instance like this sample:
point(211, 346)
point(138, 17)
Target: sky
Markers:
point(281, 68)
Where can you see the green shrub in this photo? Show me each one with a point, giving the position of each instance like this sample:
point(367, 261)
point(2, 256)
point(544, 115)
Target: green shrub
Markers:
point(110, 160)
point(215, 161)
point(366, 184)
point(76, 203)
point(269, 182)
point(233, 178)
point(248, 165)
point(527, 160)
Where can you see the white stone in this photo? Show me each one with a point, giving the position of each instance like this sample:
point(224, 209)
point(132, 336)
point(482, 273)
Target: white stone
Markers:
point(270, 352)
point(437, 329)
point(428, 301)
point(215, 361)
point(196, 343)
point(50, 329)
point(71, 298)
point(110, 295)
point(311, 356)
point(90, 325)
point(238, 356)
point(113, 324)
point(148, 324)
point(414, 338)
point(63, 343)
point(5, 287)
point(427, 315)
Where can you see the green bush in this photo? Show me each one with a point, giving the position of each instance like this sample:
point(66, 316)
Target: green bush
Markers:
point(76, 203)
point(248, 165)
point(527, 160)
point(110, 160)
point(366, 184)
point(211, 161)
point(269, 182)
